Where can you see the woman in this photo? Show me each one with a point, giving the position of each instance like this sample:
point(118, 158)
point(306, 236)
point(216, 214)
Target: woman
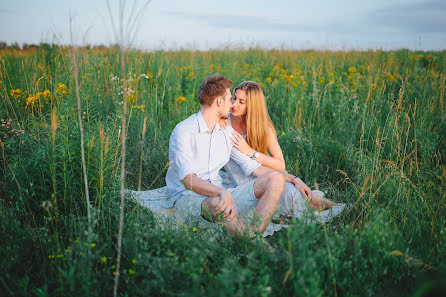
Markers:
point(256, 137)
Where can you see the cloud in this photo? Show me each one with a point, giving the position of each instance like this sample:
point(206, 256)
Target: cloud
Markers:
point(414, 18)
point(422, 17)
point(242, 21)
point(258, 22)
point(6, 11)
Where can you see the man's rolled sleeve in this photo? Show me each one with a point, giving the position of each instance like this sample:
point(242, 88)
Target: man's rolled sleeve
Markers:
point(181, 154)
point(247, 164)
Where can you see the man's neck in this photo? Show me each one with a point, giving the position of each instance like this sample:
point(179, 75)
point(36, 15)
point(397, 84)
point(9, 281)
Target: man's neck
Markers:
point(210, 118)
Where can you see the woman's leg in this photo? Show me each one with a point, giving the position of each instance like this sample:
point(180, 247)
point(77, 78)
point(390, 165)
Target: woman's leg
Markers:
point(293, 204)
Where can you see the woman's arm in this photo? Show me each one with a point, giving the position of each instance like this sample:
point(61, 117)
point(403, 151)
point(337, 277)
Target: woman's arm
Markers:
point(274, 161)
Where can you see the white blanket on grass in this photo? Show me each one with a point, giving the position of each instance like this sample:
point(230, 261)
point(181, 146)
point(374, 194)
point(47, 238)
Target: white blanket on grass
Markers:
point(155, 200)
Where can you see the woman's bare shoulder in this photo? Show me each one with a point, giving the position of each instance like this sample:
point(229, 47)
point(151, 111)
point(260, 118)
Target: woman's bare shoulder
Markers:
point(272, 133)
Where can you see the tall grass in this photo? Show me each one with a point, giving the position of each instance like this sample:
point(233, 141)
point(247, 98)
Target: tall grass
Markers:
point(365, 127)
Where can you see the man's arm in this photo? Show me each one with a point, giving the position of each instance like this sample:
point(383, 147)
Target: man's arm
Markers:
point(247, 164)
point(200, 186)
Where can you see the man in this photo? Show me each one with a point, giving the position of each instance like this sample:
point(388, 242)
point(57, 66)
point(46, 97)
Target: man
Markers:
point(199, 148)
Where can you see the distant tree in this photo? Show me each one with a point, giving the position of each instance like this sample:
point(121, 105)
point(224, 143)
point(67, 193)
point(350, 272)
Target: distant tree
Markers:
point(29, 46)
point(15, 45)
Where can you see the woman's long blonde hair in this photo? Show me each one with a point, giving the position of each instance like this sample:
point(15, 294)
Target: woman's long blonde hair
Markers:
point(258, 121)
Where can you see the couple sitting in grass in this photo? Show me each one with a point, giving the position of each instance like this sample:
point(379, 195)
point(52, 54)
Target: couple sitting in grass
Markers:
point(245, 143)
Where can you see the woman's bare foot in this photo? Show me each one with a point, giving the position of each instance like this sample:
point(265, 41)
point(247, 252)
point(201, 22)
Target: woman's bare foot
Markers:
point(319, 203)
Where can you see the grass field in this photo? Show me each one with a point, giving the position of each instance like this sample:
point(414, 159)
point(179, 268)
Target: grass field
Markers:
point(365, 127)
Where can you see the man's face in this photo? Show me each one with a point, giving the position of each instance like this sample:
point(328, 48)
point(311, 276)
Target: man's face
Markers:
point(227, 105)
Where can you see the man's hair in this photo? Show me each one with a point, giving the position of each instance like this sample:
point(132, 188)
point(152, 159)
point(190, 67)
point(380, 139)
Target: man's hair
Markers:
point(212, 87)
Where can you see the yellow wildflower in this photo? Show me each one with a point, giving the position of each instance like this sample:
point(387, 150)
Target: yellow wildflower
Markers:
point(433, 74)
point(372, 86)
point(352, 69)
point(31, 100)
point(268, 79)
point(390, 77)
point(140, 107)
point(93, 245)
point(283, 133)
point(181, 99)
point(17, 93)
point(131, 271)
point(133, 261)
point(191, 75)
point(104, 259)
point(194, 229)
point(131, 98)
point(61, 89)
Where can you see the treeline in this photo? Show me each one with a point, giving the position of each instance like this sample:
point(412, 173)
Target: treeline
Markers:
point(26, 46)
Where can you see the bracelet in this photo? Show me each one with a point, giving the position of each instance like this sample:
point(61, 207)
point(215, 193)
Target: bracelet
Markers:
point(294, 179)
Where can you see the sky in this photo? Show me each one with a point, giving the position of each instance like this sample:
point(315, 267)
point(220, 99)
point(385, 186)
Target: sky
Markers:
point(204, 24)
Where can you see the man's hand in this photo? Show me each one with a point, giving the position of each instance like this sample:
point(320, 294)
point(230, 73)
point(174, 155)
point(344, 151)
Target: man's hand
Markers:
point(303, 188)
point(226, 206)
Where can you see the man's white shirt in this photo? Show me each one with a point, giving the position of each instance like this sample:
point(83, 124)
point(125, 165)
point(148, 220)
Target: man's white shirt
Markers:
point(194, 149)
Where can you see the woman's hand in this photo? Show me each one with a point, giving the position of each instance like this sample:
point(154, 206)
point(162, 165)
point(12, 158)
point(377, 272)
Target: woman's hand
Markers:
point(240, 143)
point(223, 124)
point(303, 188)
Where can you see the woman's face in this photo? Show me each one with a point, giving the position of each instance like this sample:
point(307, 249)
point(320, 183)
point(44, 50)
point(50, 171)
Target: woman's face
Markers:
point(239, 107)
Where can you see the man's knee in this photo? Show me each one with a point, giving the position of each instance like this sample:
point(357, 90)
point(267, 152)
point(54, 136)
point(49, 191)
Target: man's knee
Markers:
point(208, 207)
point(277, 180)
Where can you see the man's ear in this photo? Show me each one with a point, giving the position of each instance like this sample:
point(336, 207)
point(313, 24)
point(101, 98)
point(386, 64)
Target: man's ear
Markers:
point(219, 100)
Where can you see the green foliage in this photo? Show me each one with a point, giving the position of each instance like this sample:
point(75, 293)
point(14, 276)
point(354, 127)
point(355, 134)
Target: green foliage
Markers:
point(365, 127)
